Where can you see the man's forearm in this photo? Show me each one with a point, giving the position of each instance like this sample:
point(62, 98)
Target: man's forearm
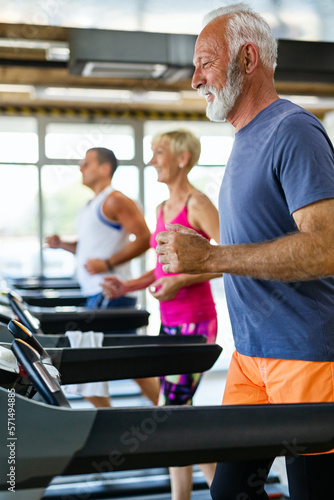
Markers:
point(297, 257)
point(69, 246)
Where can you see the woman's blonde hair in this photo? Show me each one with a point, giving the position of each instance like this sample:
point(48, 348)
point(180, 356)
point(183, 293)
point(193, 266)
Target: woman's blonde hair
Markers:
point(181, 140)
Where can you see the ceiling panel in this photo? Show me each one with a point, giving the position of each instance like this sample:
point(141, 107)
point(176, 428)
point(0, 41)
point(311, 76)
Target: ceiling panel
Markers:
point(31, 74)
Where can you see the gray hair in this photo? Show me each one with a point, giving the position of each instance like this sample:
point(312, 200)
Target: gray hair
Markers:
point(244, 25)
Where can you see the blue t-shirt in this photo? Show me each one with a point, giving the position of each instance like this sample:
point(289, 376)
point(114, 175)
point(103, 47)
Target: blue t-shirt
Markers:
point(281, 161)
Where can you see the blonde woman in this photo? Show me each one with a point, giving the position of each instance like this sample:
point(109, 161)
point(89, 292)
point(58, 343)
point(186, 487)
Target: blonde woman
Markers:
point(186, 302)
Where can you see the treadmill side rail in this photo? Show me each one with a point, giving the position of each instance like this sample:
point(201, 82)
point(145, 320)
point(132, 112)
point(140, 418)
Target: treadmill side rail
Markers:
point(59, 441)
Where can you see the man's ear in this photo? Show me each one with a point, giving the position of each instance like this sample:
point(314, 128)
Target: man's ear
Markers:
point(250, 57)
point(106, 168)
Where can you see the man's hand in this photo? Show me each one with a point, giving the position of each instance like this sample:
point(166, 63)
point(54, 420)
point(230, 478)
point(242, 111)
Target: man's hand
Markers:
point(96, 266)
point(53, 241)
point(182, 250)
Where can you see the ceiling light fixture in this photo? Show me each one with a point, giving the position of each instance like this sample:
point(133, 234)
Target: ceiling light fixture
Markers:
point(105, 95)
point(123, 70)
point(54, 51)
point(17, 89)
point(311, 101)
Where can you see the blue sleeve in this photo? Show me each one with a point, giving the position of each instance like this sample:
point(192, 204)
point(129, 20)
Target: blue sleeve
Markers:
point(303, 160)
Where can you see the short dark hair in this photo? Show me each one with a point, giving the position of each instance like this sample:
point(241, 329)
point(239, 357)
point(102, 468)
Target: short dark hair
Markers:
point(105, 155)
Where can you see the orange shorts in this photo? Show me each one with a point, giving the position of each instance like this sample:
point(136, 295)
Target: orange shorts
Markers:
point(253, 380)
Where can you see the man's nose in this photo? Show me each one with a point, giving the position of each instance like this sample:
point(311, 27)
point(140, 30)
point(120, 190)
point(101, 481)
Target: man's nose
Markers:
point(197, 79)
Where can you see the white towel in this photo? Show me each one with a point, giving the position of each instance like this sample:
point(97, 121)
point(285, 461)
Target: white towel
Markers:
point(86, 339)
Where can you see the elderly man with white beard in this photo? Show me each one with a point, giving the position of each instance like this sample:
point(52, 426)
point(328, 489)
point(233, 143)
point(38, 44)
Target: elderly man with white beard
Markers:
point(276, 209)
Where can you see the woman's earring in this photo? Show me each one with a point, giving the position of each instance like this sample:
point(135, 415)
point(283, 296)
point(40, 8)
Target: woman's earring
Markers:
point(181, 165)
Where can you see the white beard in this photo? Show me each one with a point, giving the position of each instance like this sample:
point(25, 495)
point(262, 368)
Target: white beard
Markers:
point(225, 98)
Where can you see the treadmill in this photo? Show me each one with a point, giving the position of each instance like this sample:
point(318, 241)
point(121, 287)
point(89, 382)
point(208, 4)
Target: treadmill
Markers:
point(50, 297)
point(42, 283)
point(31, 359)
point(51, 439)
point(48, 292)
point(21, 310)
point(61, 319)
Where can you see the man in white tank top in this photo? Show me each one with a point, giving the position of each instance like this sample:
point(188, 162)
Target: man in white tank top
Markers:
point(104, 225)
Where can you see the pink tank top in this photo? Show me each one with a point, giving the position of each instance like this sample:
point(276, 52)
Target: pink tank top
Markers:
point(192, 304)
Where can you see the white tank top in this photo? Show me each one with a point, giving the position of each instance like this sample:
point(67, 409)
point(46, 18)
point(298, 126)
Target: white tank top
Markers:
point(98, 238)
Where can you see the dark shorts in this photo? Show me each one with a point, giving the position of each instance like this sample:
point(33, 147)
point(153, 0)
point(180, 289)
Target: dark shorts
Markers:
point(99, 301)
